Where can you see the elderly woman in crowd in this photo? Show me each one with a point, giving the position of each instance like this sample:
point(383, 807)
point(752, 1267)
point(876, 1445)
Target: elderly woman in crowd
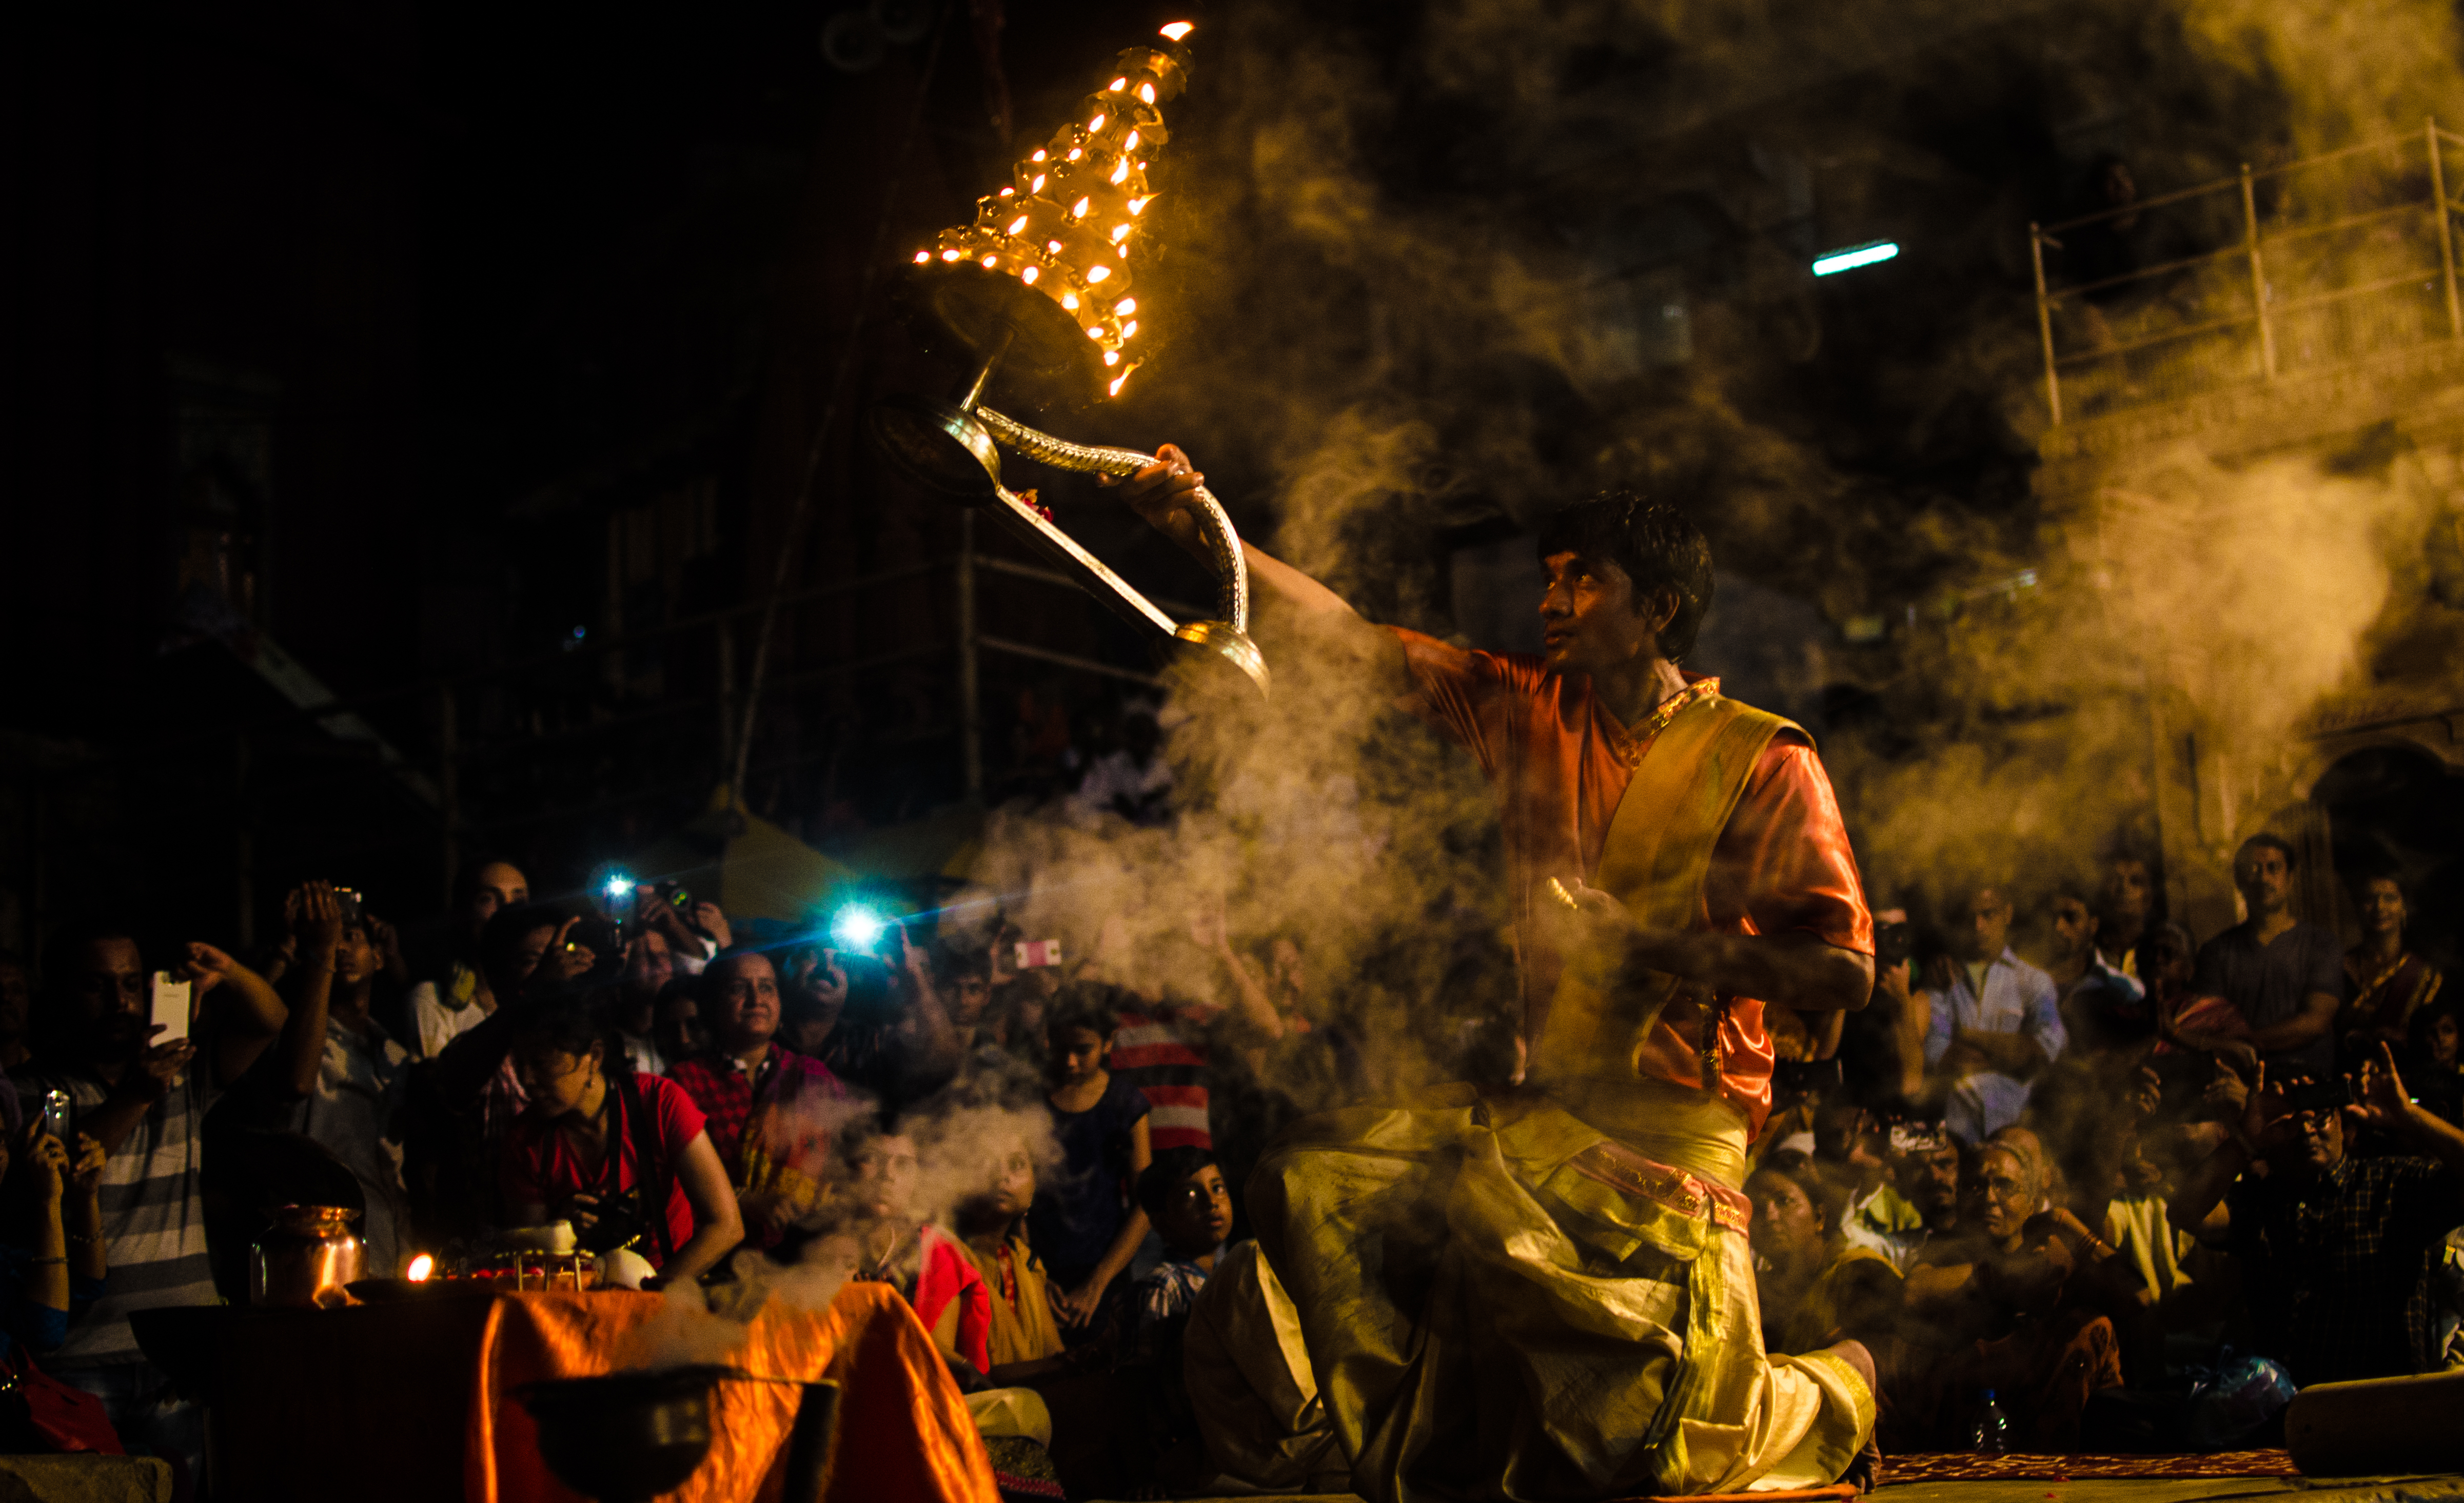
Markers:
point(624, 1157)
point(1992, 1308)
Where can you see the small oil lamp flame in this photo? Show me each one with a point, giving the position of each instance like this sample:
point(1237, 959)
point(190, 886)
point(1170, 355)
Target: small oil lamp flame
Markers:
point(421, 1267)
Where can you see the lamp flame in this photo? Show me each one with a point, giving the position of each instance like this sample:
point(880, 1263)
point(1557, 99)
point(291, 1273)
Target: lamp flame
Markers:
point(1097, 123)
point(1117, 85)
point(1028, 275)
point(419, 1267)
point(1130, 143)
point(1126, 306)
point(923, 257)
point(1038, 155)
point(1114, 389)
point(1018, 224)
point(1129, 328)
point(1146, 92)
point(1120, 233)
point(1036, 186)
point(1078, 210)
point(1121, 173)
point(1139, 204)
point(1112, 357)
point(1069, 300)
point(1179, 30)
point(1096, 274)
point(991, 262)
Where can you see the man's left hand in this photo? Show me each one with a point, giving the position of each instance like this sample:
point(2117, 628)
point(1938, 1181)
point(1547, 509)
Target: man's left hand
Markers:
point(2379, 1098)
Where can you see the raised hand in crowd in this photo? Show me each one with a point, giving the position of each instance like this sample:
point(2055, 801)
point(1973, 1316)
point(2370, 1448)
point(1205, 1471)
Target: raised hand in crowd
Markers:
point(707, 917)
point(938, 1042)
point(316, 930)
point(567, 958)
point(2381, 1101)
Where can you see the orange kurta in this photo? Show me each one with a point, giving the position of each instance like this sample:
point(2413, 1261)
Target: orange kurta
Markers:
point(1560, 761)
point(904, 1435)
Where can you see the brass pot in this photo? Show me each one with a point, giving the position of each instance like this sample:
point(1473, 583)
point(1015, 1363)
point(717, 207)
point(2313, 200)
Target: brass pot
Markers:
point(305, 1258)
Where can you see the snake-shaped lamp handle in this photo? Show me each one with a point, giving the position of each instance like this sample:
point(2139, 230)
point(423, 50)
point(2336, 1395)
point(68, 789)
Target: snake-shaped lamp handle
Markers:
point(1222, 543)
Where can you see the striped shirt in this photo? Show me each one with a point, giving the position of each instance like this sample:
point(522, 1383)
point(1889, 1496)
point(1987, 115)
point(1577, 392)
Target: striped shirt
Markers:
point(153, 1211)
point(1165, 1057)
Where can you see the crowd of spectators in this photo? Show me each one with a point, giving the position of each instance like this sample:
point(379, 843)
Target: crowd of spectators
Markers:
point(2075, 1192)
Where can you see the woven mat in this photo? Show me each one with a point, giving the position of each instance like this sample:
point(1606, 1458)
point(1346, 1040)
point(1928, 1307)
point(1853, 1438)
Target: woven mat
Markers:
point(1962, 1466)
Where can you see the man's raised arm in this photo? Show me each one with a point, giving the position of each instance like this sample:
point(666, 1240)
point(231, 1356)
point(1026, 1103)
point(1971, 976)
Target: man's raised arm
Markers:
point(1162, 495)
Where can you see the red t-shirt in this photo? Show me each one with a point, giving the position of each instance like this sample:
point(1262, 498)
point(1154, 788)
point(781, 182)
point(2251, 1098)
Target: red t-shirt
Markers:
point(1552, 751)
point(541, 1166)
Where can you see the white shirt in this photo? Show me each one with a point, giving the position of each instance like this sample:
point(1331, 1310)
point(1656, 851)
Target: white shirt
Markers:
point(2017, 997)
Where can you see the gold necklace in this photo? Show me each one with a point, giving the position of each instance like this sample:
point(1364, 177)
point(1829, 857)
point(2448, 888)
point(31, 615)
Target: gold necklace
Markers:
point(1630, 751)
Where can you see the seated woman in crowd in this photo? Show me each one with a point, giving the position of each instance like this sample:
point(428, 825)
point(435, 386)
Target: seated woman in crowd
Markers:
point(1817, 1288)
point(1083, 1222)
point(50, 1236)
point(623, 1157)
point(879, 1235)
point(1992, 1308)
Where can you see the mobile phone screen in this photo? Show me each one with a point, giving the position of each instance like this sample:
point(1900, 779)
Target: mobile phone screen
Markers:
point(170, 1009)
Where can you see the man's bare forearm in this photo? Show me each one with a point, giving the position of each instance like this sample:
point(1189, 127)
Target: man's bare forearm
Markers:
point(1794, 969)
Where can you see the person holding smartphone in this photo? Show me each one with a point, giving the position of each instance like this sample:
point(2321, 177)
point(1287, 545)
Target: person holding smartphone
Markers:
point(51, 1261)
point(143, 1101)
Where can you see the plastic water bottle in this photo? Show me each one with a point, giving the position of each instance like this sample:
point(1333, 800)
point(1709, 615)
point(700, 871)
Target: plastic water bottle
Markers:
point(1991, 1436)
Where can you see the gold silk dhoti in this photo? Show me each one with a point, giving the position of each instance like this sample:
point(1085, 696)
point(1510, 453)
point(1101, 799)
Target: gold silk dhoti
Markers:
point(1496, 1301)
point(1545, 1296)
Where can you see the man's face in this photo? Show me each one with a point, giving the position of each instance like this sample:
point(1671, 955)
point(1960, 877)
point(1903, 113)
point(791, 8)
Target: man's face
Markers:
point(500, 885)
point(1590, 622)
point(108, 988)
point(16, 1001)
point(968, 999)
point(885, 1176)
point(2313, 1140)
point(2265, 879)
point(1929, 1180)
point(2443, 1037)
point(2001, 1198)
point(744, 1003)
point(648, 967)
point(1986, 927)
point(2073, 927)
point(2382, 907)
point(1197, 1214)
point(2128, 890)
point(355, 956)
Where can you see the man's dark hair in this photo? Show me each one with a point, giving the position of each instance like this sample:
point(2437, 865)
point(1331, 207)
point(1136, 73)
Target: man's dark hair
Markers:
point(70, 938)
point(1169, 1172)
point(2266, 840)
point(1658, 547)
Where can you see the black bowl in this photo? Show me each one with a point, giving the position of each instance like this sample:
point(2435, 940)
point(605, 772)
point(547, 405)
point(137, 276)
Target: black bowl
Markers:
point(627, 1435)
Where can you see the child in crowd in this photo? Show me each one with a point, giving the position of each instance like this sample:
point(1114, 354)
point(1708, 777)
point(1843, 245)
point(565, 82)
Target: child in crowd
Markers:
point(881, 1235)
point(1083, 1224)
point(1183, 1194)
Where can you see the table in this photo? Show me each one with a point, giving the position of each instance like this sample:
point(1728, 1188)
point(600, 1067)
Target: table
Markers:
point(413, 1398)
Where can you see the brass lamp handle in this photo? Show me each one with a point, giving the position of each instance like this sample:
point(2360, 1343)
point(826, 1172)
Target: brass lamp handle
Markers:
point(1222, 543)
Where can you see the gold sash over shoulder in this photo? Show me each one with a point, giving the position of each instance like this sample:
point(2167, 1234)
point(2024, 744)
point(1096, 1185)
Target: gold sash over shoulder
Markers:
point(1655, 861)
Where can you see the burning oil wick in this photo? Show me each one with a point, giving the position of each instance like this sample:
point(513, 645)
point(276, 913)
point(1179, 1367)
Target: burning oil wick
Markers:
point(1066, 226)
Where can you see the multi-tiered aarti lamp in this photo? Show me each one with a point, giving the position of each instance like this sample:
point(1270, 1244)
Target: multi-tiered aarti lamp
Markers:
point(1040, 295)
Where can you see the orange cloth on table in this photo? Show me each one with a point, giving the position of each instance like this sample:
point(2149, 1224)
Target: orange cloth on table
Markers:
point(903, 1429)
point(1559, 761)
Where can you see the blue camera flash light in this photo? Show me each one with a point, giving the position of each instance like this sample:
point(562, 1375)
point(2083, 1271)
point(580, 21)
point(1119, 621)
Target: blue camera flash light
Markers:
point(856, 927)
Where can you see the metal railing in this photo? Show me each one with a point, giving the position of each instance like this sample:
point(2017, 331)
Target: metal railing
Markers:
point(2312, 264)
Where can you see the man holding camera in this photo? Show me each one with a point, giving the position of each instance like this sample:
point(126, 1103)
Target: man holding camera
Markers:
point(2335, 1248)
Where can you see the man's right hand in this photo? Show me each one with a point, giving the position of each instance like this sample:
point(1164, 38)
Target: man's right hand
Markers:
point(149, 1079)
point(1161, 493)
